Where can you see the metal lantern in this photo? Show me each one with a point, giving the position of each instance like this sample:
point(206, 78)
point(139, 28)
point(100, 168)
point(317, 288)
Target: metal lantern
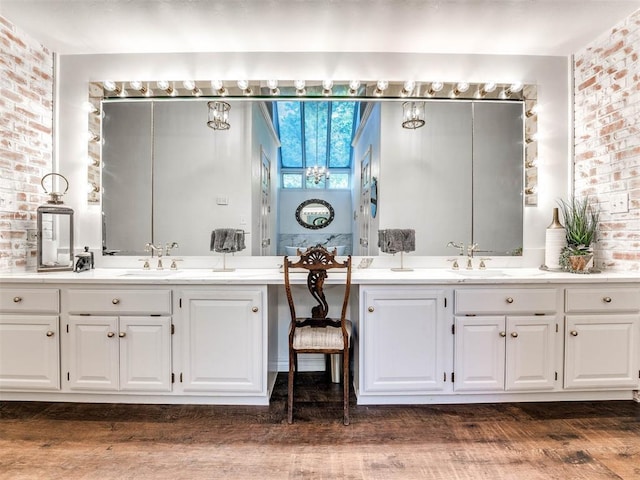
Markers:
point(55, 231)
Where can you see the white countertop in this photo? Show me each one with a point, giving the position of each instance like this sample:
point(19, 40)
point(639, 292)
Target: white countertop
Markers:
point(274, 276)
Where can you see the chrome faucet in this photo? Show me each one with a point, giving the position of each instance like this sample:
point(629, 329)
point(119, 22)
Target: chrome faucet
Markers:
point(150, 247)
point(459, 246)
point(170, 246)
point(470, 250)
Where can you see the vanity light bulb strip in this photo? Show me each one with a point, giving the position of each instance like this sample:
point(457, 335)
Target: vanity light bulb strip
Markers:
point(380, 89)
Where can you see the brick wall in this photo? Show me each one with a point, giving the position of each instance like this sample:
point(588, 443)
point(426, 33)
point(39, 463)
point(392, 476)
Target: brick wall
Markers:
point(607, 139)
point(26, 117)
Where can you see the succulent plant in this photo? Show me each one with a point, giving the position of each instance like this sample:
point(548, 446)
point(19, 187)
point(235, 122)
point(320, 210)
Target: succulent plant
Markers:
point(581, 225)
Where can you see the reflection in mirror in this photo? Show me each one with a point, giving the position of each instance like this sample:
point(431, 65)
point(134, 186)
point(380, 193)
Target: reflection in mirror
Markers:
point(315, 214)
point(168, 177)
point(374, 197)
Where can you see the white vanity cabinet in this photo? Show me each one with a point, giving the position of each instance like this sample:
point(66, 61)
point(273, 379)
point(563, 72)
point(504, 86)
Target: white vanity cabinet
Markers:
point(602, 339)
point(29, 339)
point(118, 340)
point(223, 338)
point(403, 341)
point(505, 339)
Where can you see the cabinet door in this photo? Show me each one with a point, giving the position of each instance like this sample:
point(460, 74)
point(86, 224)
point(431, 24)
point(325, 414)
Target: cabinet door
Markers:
point(530, 360)
point(402, 341)
point(602, 351)
point(29, 352)
point(223, 344)
point(479, 353)
point(145, 353)
point(93, 353)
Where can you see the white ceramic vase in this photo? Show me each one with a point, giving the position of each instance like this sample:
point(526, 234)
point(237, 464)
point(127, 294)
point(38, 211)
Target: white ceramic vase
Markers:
point(555, 241)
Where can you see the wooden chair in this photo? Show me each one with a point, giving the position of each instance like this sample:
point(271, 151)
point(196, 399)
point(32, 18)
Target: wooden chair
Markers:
point(318, 333)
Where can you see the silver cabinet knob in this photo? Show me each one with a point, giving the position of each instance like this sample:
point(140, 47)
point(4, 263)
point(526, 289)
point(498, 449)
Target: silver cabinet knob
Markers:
point(110, 334)
point(573, 333)
point(122, 334)
point(50, 333)
point(509, 300)
point(17, 299)
point(606, 299)
point(503, 334)
point(371, 309)
point(115, 301)
point(254, 309)
point(514, 334)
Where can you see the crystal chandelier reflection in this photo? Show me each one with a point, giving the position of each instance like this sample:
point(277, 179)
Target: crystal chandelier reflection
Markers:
point(219, 115)
point(317, 173)
point(412, 115)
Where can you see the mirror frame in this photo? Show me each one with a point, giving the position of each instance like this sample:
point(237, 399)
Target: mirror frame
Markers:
point(312, 201)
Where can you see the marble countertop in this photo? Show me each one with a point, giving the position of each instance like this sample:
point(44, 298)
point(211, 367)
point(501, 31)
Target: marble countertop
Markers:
point(274, 276)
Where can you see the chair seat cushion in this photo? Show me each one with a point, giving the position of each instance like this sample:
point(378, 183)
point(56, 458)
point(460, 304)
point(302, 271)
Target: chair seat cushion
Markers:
point(320, 338)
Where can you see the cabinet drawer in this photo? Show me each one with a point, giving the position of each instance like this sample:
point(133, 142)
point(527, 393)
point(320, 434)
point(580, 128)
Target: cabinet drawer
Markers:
point(605, 299)
point(16, 300)
point(147, 302)
point(505, 301)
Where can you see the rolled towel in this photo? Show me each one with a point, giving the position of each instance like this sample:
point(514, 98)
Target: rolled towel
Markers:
point(394, 240)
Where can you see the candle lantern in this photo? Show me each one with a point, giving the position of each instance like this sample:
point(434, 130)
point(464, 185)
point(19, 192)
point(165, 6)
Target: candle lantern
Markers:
point(55, 231)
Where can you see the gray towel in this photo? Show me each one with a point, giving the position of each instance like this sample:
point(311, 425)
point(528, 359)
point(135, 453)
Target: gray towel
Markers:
point(395, 240)
point(227, 240)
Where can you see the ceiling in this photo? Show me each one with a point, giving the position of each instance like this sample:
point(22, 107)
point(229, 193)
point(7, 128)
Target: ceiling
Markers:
point(522, 27)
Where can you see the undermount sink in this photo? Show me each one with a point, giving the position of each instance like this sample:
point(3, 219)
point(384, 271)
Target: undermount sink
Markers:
point(149, 273)
point(480, 273)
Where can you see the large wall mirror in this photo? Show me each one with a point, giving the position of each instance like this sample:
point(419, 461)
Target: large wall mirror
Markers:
point(168, 177)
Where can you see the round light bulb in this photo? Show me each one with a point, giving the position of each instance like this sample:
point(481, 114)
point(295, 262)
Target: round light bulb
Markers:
point(110, 85)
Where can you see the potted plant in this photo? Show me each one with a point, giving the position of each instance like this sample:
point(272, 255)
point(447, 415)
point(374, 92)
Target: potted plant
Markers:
point(581, 224)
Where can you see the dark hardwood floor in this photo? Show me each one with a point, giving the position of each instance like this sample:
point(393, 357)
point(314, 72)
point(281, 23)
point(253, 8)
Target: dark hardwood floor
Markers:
point(572, 440)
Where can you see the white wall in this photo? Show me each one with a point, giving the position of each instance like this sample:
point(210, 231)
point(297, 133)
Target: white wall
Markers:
point(551, 74)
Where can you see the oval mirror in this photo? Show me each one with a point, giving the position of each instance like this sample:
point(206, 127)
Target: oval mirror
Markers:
point(314, 213)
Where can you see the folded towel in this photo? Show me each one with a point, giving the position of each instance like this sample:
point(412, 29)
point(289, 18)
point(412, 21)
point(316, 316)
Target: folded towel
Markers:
point(227, 240)
point(397, 240)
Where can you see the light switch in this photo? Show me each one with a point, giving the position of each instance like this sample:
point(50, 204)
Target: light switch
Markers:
point(619, 203)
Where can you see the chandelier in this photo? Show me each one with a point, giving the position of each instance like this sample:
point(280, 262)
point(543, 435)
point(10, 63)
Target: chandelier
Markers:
point(317, 173)
point(412, 115)
point(219, 115)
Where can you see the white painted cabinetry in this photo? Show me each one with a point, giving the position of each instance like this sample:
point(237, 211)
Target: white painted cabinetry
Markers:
point(29, 339)
point(505, 339)
point(403, 341)
point(602, 339)
point(223, 340)
point(119, 340)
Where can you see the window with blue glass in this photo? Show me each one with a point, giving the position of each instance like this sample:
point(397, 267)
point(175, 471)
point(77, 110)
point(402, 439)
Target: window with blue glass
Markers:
point(316, 135)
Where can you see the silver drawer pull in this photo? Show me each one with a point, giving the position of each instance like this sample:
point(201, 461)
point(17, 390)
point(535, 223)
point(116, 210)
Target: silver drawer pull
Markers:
point(50, 333)
point(115, 301)
point(574, 333)
point(122, 334)
point(514, 334)
point(17, 299)
point(509, 300)
point(606, 299)
point(110, 334)
point(503, 334)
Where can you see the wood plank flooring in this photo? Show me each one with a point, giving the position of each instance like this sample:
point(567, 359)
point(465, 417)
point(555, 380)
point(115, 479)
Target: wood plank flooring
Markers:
point(572, 440)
